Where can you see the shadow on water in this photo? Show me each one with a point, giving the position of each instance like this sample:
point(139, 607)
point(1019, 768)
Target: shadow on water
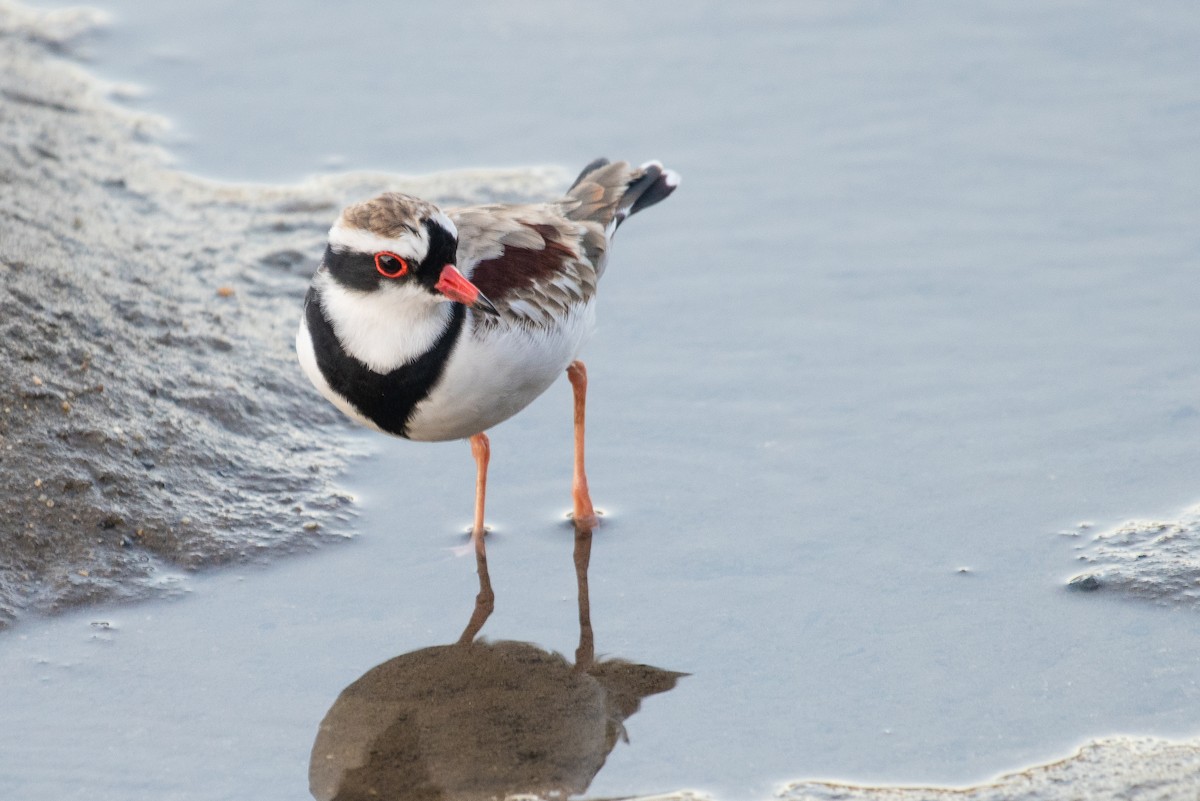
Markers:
point(480, 720)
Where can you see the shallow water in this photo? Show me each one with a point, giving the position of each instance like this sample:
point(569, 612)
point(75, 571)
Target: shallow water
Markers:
point(925, 299)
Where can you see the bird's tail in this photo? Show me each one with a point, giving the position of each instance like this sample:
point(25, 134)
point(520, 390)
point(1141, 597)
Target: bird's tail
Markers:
point(607, 192)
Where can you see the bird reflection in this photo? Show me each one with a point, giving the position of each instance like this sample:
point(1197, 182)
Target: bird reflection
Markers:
point(480, 720)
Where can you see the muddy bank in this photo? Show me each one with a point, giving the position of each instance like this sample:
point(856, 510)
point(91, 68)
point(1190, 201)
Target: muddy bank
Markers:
point(1155, 560)
point(151, 414)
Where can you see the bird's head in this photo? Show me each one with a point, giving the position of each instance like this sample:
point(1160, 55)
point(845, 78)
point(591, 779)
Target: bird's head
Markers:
point(400, 244)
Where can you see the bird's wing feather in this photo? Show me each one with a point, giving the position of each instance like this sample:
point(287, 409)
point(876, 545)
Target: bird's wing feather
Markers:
point(531, 261)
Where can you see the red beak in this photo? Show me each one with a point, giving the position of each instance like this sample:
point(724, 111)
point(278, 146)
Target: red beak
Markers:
point(453, 285)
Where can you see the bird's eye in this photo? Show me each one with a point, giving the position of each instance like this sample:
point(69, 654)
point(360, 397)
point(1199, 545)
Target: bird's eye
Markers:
point(390, 265)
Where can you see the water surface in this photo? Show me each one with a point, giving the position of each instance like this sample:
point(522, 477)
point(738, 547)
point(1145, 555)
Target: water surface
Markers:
point(926, 298)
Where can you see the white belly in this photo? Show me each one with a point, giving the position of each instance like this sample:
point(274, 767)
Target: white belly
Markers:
point(489, 379)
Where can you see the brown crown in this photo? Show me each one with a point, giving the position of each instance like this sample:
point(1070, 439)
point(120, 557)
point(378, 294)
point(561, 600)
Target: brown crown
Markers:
point(390, 215)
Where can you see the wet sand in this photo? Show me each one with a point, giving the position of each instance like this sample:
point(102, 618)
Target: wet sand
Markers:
point(1152, 560)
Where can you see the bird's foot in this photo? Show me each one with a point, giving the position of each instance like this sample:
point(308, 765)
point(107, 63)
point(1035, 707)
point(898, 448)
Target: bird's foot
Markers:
point(585, 518)
point(587, 523)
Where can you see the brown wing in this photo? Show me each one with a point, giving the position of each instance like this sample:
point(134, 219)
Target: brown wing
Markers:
point(530, 261)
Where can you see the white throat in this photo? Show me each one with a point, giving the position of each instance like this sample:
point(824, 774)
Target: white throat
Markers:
point(386, 328)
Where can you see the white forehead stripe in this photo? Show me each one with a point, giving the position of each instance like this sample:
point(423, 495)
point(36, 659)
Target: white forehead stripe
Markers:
point(410, 246)
point(444, 221)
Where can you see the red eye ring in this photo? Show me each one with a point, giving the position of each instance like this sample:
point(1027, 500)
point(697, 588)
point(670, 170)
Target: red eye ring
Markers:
point(385, 256)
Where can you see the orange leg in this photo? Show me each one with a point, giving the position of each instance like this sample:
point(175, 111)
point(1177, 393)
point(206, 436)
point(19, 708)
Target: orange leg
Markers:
point(584, 515)
point(482, 451)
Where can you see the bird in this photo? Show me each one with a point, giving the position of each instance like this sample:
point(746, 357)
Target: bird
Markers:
point(436, 325)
